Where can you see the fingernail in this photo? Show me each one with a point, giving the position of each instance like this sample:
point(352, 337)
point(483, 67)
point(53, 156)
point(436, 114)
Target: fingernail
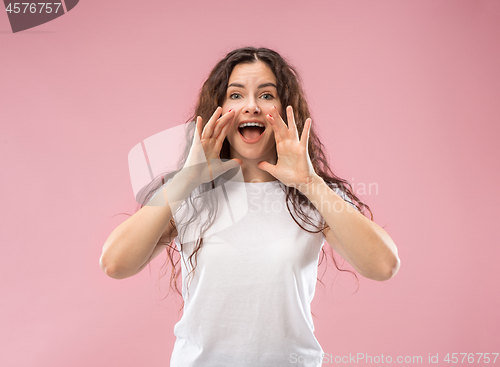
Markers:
point(229, 110)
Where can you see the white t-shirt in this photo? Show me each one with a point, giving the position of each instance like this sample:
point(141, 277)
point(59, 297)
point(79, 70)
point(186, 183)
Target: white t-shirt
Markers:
point(255, 277)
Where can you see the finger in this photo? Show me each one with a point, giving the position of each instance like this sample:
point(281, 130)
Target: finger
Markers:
point(196, 152)
point(268, 167)
point(197, 132)
point(280, 124)
point(274, 126)
point(292, 127)
point(304, 140)
point(224, 121)
point(278, 132)
point(240, 162)
point(209, 127)
point(199, 124)
point(220, 138)
point(218, 167)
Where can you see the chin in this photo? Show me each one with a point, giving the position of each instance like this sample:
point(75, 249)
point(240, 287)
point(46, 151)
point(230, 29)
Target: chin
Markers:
point(254, 154)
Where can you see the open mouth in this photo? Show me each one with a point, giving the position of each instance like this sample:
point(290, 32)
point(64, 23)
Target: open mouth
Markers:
point(251, 130)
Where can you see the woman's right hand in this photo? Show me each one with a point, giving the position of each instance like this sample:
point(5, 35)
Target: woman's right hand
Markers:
point(203, 163)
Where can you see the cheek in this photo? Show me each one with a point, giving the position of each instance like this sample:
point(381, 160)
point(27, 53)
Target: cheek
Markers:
point(226, 105)
point(230, 103)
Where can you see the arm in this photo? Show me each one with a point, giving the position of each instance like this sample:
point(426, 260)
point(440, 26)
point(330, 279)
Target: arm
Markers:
point(134, 242)
point(361, 242)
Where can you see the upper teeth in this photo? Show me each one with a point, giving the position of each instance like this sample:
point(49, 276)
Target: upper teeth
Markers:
point(245, 124)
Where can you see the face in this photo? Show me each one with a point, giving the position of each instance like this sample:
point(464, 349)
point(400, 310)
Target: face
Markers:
point(251, 93)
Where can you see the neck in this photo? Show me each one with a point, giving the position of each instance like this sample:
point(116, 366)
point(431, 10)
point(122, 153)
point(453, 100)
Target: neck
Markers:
point(252, 173)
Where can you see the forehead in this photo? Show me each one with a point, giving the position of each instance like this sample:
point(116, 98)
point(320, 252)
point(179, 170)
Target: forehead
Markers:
point(254, 72)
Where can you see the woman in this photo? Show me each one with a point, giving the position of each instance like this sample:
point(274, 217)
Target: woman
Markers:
point(247, 286)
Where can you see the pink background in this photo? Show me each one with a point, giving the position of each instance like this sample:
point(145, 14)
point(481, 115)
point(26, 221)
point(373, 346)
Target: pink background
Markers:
point(405, 94)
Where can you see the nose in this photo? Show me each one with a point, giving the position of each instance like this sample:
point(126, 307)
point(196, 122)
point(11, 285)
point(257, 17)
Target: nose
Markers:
point(252, 107)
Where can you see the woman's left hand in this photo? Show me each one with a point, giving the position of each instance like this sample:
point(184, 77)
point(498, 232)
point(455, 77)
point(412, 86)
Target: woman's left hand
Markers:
point(294, 167)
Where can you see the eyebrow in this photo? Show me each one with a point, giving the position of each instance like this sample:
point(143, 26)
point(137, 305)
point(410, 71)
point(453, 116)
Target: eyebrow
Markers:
point(260, 86)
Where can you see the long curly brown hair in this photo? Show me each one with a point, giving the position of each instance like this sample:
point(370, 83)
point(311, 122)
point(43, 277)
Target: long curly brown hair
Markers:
point(290, 92)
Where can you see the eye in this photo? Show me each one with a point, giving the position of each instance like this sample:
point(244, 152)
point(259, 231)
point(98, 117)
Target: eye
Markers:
point(267, 96)
point(234, 96)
